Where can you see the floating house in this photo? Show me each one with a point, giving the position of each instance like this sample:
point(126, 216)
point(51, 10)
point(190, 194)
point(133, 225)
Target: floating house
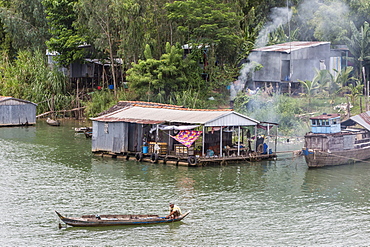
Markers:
point(285, 64)
point(15, 112)
point(169, 133)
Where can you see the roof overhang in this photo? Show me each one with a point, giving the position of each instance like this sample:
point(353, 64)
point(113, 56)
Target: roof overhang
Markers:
point(161, 115)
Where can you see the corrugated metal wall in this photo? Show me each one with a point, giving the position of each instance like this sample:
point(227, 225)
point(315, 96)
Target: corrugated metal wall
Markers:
point(230, 120)
point(303, 63)
point(111, 137)
point(17, 113)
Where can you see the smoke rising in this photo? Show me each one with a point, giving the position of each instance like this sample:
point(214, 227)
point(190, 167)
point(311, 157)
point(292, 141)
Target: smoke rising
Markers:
point(279, 17)
point(327, 19)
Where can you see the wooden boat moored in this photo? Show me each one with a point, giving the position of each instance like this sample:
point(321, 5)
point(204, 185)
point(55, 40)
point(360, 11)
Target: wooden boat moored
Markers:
point(332, 143)
point(82, 129)
point(52, 122)
point(117, 220)
point(88, 132)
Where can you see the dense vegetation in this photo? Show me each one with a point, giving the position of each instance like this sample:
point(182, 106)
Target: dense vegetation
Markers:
point(148, 36)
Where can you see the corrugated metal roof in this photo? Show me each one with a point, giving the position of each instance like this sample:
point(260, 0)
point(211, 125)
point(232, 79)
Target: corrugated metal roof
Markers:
point(326, 116)
point(363, 119)
point(123, 104)
point(7, 98)
point(290, 46)
point(154, 115)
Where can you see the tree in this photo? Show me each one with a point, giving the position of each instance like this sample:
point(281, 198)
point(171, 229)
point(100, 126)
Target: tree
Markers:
point(210, 23)
point(359, 11)
point(310, 88)
point(28, 77)
point(355, 89)
point(25, 22)
point(330, 21)
point(359, 46)
point(324, 80)
point(157, 80)
point(132, 29)
point(5, 38)
point(342, 77)
point(65, 38)
point(143, 22)
point(100, 22)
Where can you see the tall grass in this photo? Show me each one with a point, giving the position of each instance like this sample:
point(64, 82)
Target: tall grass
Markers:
point(29, 77)
point(102, 100)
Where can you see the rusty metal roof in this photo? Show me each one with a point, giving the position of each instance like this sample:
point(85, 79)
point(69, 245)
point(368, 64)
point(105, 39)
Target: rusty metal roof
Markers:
point(124, 104)
point(326, 116)
point(155, 114)
point(290, 46)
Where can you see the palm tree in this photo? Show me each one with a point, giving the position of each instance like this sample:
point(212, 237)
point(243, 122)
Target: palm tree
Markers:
point(342, 77)
point(324, 80)
point(355, 90)
point(359, 46)
point(311, 88)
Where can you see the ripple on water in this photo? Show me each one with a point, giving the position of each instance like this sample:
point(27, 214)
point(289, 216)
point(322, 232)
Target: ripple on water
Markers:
point(262, 204)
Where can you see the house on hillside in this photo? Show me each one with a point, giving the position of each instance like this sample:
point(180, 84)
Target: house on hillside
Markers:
point(285, 64)
point(164, 132)
point(92, 73)
point(15, 112)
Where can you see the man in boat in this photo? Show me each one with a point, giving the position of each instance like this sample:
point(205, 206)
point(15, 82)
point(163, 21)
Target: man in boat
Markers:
point(175, 211)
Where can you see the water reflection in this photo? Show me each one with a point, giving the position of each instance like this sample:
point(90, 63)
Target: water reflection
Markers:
point(271, 203)
point(345, 184)
point(20, 134)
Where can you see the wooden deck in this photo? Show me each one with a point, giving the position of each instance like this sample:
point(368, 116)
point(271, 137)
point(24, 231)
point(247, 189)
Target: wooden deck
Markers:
point(188, 160)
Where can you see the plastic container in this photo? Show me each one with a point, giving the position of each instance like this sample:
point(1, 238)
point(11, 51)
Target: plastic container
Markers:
point(145, 149)
point(210, 153)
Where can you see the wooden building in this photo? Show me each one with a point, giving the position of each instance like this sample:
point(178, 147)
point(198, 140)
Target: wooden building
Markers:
point(333, 143)
point(92, 72)
point(15, 112)
point(173, 133)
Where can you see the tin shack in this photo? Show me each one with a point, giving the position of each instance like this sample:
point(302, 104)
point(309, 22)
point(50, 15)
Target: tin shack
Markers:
point(15, 112)
point(168, 133)
point(284, 65)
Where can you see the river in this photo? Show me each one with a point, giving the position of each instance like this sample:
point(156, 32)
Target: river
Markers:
point(273, 203)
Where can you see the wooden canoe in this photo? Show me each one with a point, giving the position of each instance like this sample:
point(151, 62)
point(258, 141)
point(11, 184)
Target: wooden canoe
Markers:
point(116, 220)
point(52, 122)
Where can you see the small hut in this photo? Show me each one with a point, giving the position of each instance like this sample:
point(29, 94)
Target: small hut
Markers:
point(168, 132)
point(15, 112)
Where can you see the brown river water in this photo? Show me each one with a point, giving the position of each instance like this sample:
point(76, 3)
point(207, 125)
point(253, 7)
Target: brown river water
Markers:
point(272, 203)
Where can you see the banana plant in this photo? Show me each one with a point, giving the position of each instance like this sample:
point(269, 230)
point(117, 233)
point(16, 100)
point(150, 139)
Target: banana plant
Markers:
point(311, 88)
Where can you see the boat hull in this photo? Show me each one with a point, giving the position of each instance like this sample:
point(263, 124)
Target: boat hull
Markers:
point(318, 158)
point(52, 122)
point(117, 220)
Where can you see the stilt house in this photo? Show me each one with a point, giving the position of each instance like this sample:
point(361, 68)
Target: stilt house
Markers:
point(285, 64)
